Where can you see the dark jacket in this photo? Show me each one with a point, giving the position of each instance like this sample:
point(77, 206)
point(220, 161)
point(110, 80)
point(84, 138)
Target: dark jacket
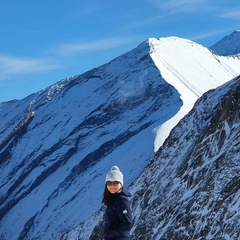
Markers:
point(118, 217)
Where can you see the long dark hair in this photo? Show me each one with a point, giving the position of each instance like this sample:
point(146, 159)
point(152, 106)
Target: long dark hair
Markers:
point(106, 200)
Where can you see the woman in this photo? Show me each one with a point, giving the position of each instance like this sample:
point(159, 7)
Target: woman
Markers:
point(118, 216)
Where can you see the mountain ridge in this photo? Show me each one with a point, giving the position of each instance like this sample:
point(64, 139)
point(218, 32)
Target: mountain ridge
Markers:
point(198, 195)
point(229, 45)
point(208, 172)
point(78, 128)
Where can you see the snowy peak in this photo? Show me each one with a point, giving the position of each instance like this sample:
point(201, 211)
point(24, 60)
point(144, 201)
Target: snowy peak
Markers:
point(229, 45)
point(196, 173)
point(190, 188)
point(192, 69)
point(56, 145)
point(187, 62)
point(184, 60)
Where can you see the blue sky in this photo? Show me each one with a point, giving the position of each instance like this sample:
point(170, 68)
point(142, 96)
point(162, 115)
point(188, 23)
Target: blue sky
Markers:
point(44, 41)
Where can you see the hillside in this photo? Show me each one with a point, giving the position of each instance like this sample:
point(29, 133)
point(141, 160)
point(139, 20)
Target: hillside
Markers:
point(55, 145)
point(190, 188)
point(229, 45)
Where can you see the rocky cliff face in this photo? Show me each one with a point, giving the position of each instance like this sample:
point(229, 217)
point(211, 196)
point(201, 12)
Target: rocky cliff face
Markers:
point(191, 187)
point(229, 45)
point(56, 145)
point(193, 182)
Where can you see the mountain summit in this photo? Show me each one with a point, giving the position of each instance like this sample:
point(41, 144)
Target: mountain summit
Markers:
point(229, 45)
point(190, 189)
point(56, 145)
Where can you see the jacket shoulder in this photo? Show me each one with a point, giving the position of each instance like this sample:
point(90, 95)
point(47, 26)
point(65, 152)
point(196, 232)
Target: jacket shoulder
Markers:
point(126, 193)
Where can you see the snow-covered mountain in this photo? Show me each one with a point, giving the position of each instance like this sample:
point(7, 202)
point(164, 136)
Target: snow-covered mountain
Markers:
point(198, 170)
point(191, 187)
point(229, 45)
point(57, 145)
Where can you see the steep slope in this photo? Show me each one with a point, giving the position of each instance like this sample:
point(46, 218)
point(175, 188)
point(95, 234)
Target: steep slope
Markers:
point(56, 145)
point(229, 45)
point(191, 187)
point(192, 69)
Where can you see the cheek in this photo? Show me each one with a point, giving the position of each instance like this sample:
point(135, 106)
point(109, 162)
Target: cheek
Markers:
point(110, 188)
point(113, 189)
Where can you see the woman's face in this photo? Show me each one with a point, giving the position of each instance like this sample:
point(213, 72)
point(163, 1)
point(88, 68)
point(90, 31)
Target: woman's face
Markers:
point(114, 186)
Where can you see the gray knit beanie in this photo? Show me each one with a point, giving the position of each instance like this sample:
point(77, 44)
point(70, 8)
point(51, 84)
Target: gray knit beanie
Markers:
point(115, 175)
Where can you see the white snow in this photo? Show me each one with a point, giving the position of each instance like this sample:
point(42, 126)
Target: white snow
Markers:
point(193, 70)
point(189, 67)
